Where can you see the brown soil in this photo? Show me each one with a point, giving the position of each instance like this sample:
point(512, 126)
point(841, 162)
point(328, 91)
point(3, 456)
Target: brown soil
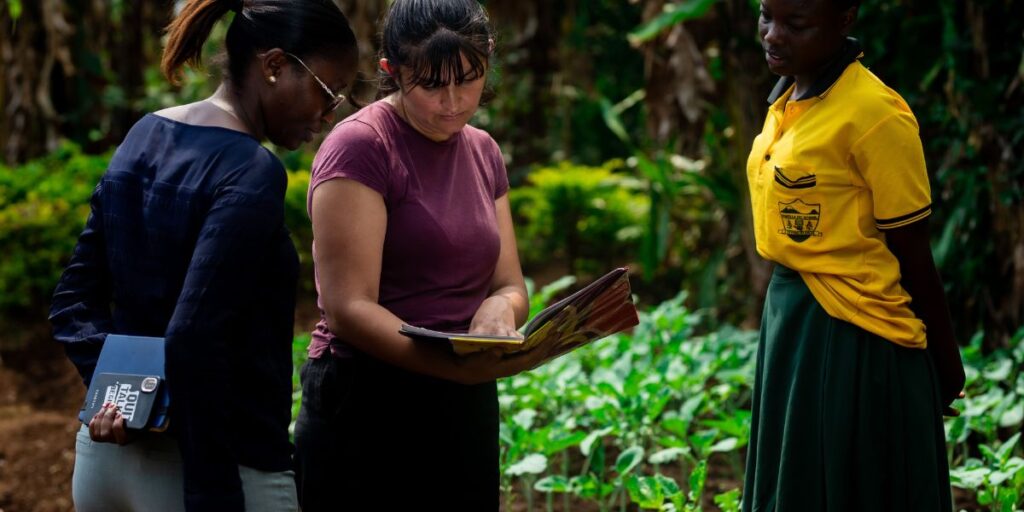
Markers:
point(40, 394)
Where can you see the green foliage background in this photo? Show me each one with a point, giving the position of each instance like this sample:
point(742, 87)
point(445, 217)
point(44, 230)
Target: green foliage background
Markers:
point(607, 169)
point(581, 88)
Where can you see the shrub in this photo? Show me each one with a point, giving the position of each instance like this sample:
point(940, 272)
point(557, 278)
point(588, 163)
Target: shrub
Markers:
point(43, 207)
point(590, 216)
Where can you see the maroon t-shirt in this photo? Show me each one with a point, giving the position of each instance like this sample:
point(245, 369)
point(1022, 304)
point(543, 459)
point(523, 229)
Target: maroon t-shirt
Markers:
point(442, 241)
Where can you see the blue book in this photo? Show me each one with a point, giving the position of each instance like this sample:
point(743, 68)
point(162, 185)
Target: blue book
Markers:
point(130, 373)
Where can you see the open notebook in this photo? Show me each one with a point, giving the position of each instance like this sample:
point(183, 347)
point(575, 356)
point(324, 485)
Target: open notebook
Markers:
point(602, 308)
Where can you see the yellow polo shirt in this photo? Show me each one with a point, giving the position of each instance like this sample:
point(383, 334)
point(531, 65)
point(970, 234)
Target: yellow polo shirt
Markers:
point(828, 175)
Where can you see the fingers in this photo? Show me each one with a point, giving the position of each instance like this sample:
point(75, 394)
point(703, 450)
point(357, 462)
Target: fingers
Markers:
point(108, 426)
point(119, 430)
point(101, 424)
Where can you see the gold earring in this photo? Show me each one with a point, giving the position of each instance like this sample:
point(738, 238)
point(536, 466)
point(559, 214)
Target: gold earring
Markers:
point(272, 79)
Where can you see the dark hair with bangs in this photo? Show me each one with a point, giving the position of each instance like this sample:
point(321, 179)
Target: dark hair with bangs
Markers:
point(304, 28)
point(430, 37)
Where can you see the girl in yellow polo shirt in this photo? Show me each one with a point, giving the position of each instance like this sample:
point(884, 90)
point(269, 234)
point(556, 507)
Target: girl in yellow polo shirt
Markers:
point(856, 360)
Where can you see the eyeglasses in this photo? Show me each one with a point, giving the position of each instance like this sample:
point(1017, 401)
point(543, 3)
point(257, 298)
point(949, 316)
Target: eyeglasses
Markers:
point(335, 98)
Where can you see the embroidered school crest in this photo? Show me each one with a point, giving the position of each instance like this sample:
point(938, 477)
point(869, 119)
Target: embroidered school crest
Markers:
point(799, 219)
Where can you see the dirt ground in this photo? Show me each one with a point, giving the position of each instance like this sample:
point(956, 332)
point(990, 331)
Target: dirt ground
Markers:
point(40, 394)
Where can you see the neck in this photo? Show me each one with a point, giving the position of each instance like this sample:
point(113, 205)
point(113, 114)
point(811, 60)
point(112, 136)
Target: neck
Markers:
point(245, 109)
point(396, 101)
point(806, 81)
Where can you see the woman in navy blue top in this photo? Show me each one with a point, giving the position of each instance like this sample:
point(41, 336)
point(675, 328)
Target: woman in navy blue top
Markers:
point(186, 240)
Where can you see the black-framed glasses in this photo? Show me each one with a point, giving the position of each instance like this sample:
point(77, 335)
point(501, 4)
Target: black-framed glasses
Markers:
point(336, 99)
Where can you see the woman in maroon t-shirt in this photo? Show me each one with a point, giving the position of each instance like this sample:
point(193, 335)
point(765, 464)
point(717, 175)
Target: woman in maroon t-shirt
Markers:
point(412, 224)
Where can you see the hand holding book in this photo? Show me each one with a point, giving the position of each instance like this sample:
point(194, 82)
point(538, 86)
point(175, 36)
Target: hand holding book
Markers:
point(129, 375)
point(602, 308)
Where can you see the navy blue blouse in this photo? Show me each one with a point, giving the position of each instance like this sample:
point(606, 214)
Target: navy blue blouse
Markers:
point(186, 240)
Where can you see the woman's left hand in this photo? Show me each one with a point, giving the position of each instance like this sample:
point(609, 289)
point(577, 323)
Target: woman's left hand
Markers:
point(108, 426)
point(496, 317)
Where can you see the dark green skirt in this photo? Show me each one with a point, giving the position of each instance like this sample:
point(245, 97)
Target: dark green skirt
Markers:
point(843, 420)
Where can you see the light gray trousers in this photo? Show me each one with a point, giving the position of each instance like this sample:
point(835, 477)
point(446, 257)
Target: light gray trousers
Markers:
point(145, 475)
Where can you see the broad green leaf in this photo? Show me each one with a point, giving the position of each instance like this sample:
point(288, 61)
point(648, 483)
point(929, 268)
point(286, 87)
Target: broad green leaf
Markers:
point(725, 445)
point(667, 455)
point(736, 425)
point(597, 459)
point(677, 426)
point(728, 501)
point(1009, 500)
point(607, 489)
point(1006, 449)
point(657, 405)
point(691, 406)
point(985, 497)
point(702, 441)
point(585, 486)
point(533, 464)
point(628, 460)
point(1012, 416)
point(997, 478)
point(553, 483)
point(668, 485)
point(998, 370)
point(14, 8)
point(588, 442)
point(956, 429)
point(562, 441)
point(979, 405)
point(674, 14)
point(697, 478)
point(645, 492)
point(969, 479)
point(524, 418)
point(594, 402)
point(988, 453)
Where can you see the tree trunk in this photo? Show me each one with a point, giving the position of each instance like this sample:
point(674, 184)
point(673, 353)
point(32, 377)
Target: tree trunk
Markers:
point(32, 46)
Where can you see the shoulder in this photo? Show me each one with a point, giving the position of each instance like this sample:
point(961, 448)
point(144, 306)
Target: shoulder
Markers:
point(356, 140)
point(355, 132)
point(479, 137)
point(255, 172)
point(362, 132)
point(489, 153)
point(189, 152)
point(482, 142)
point(357, 148)
point(870, 100)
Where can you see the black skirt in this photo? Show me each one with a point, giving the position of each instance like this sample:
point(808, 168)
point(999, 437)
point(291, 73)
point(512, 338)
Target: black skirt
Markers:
point(371, 436)
point(843, 420)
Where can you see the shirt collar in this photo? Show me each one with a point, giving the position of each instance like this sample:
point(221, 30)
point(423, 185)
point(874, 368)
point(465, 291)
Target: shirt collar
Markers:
point(850, 52)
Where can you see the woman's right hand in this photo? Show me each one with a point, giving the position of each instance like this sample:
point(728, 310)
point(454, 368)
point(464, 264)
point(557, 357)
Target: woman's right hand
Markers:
point(107, 426)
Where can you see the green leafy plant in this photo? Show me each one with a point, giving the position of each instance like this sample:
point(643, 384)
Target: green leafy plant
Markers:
point(590, 216)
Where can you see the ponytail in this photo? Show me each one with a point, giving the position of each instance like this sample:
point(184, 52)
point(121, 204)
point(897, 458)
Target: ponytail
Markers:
point(188, 31)
point(303, 28)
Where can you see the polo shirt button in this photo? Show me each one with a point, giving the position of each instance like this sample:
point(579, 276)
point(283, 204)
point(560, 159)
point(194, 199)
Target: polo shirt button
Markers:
point(767, 156)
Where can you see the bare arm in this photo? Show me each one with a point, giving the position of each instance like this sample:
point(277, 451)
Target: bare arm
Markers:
point(349, 247)
point(507, 306)
point(919, 277)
